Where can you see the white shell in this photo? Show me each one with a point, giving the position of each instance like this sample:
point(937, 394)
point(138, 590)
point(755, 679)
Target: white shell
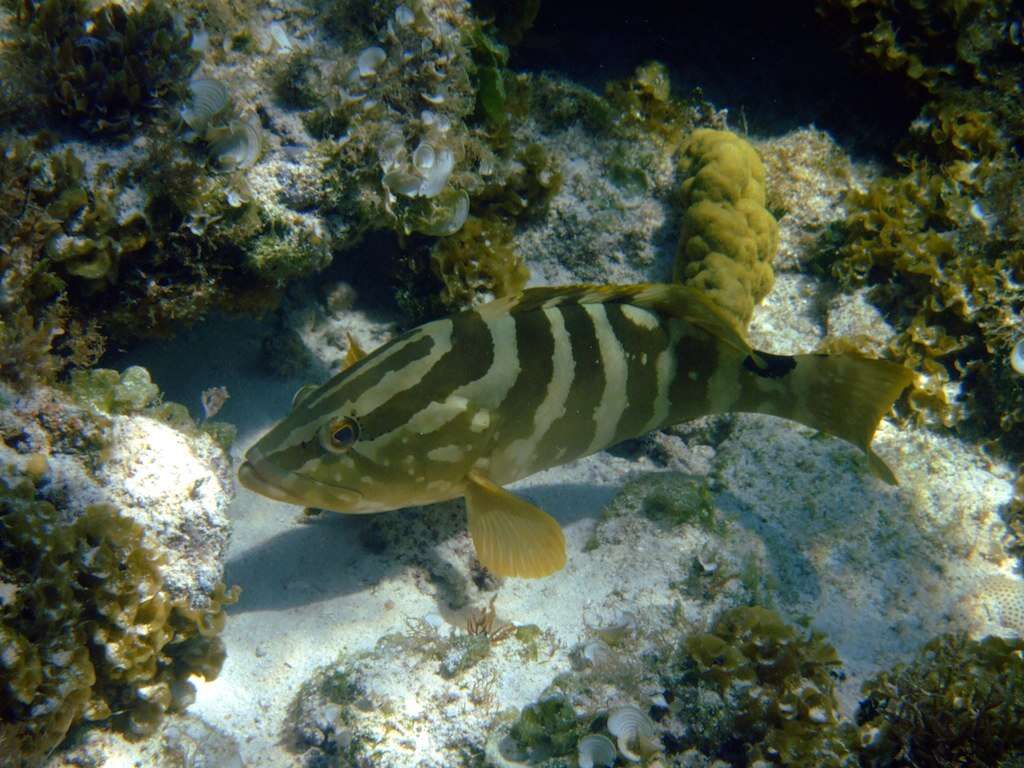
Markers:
point(1017, 357)
point(391, 149)
point(404, 16)
point(209, 98)
point(369, 59)
point(280, 37)
point(595, 750)
point(433, 98)
point(423, 157)
point(237, 146)
point(437, 175)
point(454, 222)
point(200, 40)
point(403, 183)
point(235, 199)
point(597, 652)
point(631, 727)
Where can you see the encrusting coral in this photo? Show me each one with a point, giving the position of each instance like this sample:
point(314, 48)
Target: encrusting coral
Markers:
point(728, 238)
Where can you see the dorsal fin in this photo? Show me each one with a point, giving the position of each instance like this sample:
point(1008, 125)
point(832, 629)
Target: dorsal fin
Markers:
point(354, 353)
point(302, 393)
point(666, 299)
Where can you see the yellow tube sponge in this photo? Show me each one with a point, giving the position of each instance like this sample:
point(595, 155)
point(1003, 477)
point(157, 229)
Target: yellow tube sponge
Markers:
point(728, 237)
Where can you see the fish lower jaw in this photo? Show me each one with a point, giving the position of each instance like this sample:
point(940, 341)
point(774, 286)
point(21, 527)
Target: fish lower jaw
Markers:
point(292, 489)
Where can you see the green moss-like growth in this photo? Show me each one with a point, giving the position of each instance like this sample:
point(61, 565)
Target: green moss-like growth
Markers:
point(478, 262)
point(525, 193)
point(104, 69)
point(489, 75)
point(549, 728)
point(949, 283)
point(95, 238)
point(133, 392)
point(644, 103)
point(940, 239)
point(89, 633)
point(930, 45)
point(110, 392)
point(293, 82)
point(960, 702)
point(278, 256)
point(681, 500)
point(463, 653)
point(778, 693)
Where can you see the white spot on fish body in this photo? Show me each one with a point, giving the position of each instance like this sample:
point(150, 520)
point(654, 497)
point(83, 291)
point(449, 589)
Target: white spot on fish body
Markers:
point(448, 453)
point(640, 317)
point(481, 420)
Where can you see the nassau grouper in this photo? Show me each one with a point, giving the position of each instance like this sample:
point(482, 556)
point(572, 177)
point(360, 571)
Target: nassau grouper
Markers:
point(464, 405)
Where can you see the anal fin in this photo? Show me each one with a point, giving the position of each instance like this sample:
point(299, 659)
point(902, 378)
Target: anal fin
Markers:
point(512, 537)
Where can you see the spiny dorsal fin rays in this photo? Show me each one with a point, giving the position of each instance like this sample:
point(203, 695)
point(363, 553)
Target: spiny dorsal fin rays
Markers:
point(512, 537)
point(302, 393)
point(354, 353)
point(665, 299)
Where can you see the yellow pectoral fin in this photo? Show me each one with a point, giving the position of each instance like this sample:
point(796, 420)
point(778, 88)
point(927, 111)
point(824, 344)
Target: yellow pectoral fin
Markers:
point(512, 537)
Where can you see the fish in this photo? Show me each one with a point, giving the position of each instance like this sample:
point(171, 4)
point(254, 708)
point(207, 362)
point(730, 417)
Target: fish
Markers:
point(464, 405)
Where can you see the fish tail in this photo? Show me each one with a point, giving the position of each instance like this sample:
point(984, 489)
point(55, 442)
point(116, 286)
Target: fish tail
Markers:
point(843, 395)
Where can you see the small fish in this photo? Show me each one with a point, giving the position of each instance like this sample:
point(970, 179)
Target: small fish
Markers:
point(464, 405)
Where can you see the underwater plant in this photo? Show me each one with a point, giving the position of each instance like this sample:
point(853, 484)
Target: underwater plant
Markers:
point(547, 728)
point(778, 695)
point(89, 634)
point(106, 69)
point(939, 239)
point(959, 702)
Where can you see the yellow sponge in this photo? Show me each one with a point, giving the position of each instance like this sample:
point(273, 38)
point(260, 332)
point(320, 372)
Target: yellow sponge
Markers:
point(728, 237)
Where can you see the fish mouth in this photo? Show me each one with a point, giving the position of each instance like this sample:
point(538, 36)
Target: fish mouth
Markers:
point(262, 477)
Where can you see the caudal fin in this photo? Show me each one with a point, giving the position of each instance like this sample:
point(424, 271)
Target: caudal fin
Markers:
point(843, 395)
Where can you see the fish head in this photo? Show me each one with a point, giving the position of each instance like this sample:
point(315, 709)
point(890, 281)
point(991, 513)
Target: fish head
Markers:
point(290, 464)
point(351, 447)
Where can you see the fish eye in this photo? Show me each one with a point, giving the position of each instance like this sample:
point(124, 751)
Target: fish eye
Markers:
point(340, 434)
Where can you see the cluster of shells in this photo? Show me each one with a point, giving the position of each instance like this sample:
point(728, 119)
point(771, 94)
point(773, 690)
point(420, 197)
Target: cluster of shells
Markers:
point(414, 146)
point(634, 734)
point(233, 142)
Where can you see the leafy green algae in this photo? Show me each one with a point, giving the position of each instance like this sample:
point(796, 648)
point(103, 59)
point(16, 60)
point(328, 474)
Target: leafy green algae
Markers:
point(959, 702)
point(940, 238)
point(777, 688)
point(89, 634)
point(103, 69)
